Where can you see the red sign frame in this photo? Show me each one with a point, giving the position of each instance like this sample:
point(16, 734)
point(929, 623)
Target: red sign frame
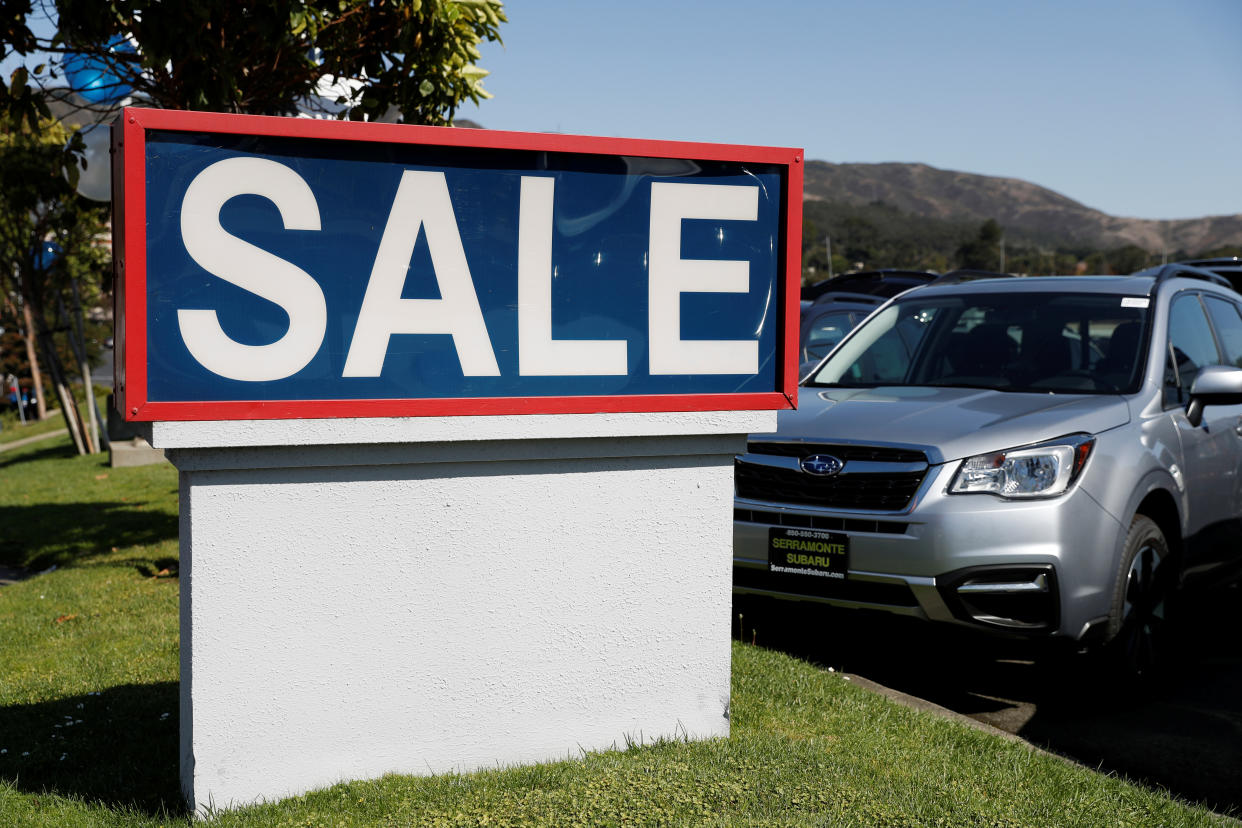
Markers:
point(129, 263)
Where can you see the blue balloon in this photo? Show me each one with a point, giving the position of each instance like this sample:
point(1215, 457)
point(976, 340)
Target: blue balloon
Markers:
point(93, 78)
point(47, 254)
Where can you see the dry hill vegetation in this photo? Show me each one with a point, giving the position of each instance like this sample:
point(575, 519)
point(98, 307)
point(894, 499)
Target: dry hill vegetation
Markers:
point(914, 215)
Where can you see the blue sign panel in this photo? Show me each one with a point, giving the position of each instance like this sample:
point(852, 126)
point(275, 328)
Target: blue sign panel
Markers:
point(293, 268)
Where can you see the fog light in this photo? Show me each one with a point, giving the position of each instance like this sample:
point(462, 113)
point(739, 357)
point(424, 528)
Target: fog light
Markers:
point(1020, 599)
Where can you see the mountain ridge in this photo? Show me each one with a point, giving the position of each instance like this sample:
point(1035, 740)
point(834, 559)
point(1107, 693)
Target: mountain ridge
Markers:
point(1027, 211)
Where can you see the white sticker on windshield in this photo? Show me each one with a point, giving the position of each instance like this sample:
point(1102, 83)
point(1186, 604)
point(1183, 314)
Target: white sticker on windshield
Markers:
point(1135, 301)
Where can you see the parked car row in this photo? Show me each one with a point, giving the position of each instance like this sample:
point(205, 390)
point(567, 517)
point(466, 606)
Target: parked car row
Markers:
point(1048, 457)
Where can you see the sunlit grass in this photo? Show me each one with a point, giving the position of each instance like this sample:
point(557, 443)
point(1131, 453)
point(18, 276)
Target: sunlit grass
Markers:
point(57, 508)
point(13, 429)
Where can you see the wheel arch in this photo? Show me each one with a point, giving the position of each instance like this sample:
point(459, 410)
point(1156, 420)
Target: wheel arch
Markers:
point(1161, 507)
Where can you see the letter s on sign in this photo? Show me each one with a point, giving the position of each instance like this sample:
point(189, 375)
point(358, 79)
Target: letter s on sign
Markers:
point(253, 269)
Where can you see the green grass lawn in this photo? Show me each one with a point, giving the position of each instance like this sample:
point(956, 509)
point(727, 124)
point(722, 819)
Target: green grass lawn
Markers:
point(88, 713)
point(12, 429)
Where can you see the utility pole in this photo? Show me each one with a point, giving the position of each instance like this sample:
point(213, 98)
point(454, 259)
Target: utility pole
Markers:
point(828, 246)
point(1002, 253)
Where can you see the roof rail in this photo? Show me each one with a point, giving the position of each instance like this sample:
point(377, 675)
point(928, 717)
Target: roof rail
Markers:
point(1164, 273)
point(845, 296)
point(954, 277)
point(1232, 263)
point(1228, 267)
point(885, 282)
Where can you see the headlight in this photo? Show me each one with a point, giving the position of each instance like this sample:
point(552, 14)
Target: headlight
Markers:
point(1045, 470)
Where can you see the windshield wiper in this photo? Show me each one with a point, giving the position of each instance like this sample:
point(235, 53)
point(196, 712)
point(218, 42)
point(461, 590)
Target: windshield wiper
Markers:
point(980, 385)
point(812, 384)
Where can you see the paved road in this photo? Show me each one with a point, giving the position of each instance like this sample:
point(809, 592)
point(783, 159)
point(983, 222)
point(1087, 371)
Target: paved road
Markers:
point(101, 374)
point(1182, 732)
point(25, 441)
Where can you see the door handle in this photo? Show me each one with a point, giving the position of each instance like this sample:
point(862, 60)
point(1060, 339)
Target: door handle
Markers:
point(1237, 427)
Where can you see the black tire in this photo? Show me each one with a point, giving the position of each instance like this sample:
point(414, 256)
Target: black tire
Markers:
point(1138, 621)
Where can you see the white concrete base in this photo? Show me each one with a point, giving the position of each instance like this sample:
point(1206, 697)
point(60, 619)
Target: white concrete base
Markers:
point(133, 452)
point(354, 610)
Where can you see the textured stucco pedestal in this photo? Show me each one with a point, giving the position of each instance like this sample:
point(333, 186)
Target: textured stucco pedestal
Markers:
point(423, 595)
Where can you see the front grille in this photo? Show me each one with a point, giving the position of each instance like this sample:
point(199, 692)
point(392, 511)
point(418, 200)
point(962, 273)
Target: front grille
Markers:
point(867, 592)
point(845, 453)
point(854, 526)
point(877, 492)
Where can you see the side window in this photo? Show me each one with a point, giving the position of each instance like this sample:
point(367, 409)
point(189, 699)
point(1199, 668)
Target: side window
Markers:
point(1228, 323)
point(826, 331)
point(1191, 348)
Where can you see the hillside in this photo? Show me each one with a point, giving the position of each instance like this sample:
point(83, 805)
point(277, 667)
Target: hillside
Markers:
point(1025, 210)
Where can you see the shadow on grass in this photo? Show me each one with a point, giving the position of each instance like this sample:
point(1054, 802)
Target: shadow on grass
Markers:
point(118, 748)
point(54, 451)
point(1180, 732)
point(37, 535)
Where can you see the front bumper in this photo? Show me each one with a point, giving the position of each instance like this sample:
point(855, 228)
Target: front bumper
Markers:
point(1037, 567)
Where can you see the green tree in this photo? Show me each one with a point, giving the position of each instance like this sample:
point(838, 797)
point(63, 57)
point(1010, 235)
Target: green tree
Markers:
point(412, 60)
point(41, 294)
point(983, 251)
point(408, 60)
point(1127, 259)
point(20, 102)
point(859, 239)
point(1217, 252)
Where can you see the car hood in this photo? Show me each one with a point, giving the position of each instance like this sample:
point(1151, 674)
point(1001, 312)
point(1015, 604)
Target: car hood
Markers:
point(947, 423)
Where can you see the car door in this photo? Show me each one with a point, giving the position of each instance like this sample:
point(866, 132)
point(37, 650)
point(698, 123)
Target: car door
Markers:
point(1212, 451)
point(1224, 546)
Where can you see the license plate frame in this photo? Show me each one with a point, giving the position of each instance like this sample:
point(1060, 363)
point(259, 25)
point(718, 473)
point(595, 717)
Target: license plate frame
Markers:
point(814, 552)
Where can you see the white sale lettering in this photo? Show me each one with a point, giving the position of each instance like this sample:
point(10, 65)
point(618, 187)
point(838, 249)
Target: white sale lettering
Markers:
point(423, 203)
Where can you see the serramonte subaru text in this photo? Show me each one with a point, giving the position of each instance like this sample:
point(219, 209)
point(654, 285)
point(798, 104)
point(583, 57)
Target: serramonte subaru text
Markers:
point(1046, 457)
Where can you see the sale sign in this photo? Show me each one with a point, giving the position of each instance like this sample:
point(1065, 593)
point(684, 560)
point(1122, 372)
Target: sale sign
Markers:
point(289, 268)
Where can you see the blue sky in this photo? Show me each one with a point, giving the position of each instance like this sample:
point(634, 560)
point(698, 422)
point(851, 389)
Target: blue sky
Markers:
point(1134, 108)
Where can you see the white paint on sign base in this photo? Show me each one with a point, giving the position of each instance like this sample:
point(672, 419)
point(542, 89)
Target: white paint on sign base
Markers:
point(448, 612)
point(373, 430)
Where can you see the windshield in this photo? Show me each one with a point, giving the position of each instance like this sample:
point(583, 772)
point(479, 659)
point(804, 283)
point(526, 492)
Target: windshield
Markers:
point(1039, 342)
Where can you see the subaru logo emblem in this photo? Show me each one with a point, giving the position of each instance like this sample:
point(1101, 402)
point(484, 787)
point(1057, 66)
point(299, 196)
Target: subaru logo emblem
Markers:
point(821, 465)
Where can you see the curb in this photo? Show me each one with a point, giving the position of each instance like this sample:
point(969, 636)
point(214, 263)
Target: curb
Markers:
point(916, 703)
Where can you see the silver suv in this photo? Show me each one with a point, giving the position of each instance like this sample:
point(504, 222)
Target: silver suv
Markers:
point(1041, 456)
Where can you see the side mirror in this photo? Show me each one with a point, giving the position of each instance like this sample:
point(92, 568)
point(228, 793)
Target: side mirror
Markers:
point(1215, 385)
